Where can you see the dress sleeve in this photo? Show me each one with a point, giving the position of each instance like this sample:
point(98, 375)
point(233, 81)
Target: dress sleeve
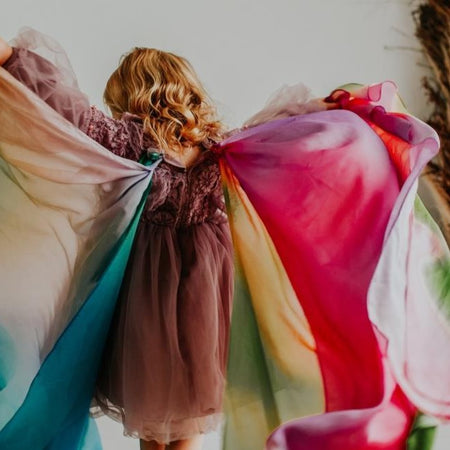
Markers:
point(124, 136)
point(42, 65)
point(45, 80)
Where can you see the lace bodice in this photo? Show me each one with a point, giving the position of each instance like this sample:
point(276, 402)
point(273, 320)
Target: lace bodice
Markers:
point(181, 197)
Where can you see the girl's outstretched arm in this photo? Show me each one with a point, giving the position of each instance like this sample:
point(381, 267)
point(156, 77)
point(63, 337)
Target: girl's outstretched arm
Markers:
point(46, 80)
point(60, 90)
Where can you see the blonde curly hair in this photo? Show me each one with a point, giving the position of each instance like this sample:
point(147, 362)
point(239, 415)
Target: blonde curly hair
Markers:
point(165, 92)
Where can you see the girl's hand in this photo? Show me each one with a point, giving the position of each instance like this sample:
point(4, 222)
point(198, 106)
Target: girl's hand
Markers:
point(5, 51)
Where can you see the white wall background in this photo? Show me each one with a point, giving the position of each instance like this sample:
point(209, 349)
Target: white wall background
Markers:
point(242, 50)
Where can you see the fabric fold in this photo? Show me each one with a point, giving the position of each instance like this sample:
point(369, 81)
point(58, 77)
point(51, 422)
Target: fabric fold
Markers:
point(68, 213)
point(334, 191)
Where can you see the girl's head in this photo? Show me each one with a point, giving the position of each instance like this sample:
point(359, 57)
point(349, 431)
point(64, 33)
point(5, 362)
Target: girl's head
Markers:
point(164, 90)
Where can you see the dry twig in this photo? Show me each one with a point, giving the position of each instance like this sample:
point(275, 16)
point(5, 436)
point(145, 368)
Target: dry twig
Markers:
point(432, 19)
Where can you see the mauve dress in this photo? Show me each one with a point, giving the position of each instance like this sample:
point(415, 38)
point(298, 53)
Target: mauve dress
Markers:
point(163, 368)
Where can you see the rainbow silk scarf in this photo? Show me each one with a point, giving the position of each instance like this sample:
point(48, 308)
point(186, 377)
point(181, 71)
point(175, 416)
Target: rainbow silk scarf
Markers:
point(341, 310)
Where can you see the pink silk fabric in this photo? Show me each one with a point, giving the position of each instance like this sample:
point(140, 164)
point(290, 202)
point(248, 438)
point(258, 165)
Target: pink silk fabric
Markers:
point(330, 187)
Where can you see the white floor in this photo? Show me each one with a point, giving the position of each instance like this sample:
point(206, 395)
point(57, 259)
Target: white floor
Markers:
point(112, 438)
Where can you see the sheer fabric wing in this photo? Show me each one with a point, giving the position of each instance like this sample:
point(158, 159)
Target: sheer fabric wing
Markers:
point(68, 212)
point(330, 198)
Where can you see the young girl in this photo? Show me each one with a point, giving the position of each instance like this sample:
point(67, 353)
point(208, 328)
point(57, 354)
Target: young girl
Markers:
point(163, 367)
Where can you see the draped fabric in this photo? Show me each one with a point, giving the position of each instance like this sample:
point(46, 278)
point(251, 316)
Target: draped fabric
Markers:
point(341, 279)
point(340, 314)
point(69, 210)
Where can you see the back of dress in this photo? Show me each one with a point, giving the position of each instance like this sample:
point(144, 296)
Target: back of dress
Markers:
point(163, 368)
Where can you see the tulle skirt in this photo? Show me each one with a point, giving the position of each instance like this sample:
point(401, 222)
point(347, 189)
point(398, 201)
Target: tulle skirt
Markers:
point(163, 368)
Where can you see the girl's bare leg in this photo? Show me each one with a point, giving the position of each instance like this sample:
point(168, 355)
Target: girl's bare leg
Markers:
point(151, 445)
point(194, 443)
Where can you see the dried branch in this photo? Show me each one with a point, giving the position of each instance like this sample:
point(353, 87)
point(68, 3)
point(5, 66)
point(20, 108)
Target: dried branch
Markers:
point(432, 19)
